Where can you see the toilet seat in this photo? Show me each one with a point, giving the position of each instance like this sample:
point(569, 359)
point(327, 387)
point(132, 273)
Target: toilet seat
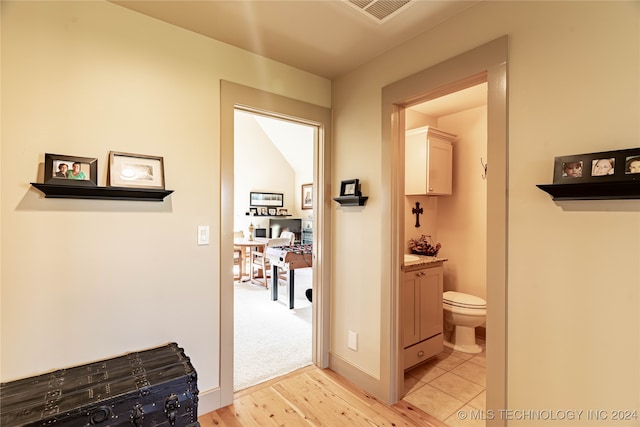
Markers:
point(462, 300)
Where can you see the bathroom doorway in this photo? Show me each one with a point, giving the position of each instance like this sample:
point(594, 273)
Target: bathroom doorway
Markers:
point(487, 63)
point(457, 374)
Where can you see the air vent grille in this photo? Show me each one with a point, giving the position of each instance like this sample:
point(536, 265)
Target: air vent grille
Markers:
point(379, 10)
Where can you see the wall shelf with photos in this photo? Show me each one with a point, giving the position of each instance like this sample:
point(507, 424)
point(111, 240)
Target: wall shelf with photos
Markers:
point(131, 177)
point(350, 194)
point(267, 212)
point(605, 175)
point(267, 216)
point(101, 193)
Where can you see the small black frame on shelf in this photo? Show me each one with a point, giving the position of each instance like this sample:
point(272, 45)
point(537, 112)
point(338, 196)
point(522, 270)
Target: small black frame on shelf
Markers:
point(101, 193)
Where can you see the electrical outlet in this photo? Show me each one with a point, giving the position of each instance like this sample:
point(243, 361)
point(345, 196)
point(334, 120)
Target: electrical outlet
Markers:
point(353, 341)
point(203, 235)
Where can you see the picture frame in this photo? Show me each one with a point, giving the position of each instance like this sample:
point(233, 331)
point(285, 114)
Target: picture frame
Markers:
point(258, 199)
point(604, 166)
point(307, 196)
point(263, 211)
point(135, 170)
point(350, 187)
point(253, 211)
point(283, 212)
point(59, 170)
point(272, 211)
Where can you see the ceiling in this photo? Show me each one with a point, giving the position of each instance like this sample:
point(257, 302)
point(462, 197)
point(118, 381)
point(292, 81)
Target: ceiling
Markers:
point(328, 38)
point(325, 37)
point(455, 102)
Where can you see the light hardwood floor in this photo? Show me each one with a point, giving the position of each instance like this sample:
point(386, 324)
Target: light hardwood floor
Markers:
point(314, 397)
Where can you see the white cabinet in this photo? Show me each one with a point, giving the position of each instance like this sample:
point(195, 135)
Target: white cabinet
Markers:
point(422, 313)
point(428, 161)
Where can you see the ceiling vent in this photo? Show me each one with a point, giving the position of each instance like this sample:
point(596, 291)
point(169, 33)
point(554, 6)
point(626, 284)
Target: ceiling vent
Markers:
point(379, 10)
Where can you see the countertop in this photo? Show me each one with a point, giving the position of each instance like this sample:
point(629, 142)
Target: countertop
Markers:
point(424, 261)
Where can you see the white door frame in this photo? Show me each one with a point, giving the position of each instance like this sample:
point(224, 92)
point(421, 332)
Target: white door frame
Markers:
point(234, 96)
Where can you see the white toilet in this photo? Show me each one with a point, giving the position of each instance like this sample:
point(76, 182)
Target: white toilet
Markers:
point(462, 313)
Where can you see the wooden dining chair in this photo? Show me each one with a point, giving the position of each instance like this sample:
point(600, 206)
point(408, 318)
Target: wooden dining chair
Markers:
point(237, 257)
point(260, 266)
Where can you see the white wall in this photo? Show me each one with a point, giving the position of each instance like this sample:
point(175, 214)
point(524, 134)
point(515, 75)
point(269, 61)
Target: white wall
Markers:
point(87, 279)
point(574, 87)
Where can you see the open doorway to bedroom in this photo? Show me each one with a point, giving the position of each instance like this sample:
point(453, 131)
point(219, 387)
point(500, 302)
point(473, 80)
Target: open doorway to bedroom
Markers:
point(273, 179)
point(234, 96)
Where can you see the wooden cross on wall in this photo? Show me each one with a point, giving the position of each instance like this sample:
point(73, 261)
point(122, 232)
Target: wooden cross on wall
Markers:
point(417, 211)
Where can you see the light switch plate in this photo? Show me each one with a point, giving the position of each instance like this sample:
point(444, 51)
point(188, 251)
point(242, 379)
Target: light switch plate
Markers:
point(203, 235)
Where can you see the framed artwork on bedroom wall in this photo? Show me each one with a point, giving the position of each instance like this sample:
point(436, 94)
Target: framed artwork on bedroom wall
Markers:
point(307, 196)
point(275, 200)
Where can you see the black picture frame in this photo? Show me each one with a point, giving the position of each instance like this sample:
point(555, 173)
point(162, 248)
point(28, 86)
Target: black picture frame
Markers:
point(269, 200)
point(604, 166)
point(253, 211)
point(53, 163)
point(350, 187)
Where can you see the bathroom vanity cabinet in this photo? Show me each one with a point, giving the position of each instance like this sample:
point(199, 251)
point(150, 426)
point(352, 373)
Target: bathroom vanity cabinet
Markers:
point(428, 161)
point(422, 312)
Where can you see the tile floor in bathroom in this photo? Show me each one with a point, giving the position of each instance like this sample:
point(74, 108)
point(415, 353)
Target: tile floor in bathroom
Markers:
point(450, 382)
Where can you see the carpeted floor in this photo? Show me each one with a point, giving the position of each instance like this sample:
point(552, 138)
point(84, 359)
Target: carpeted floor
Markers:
point(270, 340)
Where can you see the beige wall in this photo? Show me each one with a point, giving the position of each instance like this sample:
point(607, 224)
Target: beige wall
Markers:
point(462, 225)
point(574, 87)
point(87, 279)
point(83, 78)
point(255, 159)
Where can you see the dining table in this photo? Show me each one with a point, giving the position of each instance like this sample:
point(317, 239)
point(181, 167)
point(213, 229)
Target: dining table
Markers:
point(247, 246)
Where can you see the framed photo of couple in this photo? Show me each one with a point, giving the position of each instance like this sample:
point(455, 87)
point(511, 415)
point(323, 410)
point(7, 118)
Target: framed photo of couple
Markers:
point(60, 169)
point(606, 166)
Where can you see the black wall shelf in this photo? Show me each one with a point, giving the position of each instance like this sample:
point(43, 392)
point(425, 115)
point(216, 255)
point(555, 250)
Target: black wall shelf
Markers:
point(351, 200)
point(101, 193)
point(593, 190)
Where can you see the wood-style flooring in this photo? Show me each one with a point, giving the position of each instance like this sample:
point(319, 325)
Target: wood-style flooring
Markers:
point(314, 397)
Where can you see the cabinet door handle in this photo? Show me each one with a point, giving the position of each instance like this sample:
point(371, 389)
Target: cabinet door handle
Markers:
point(420, 353)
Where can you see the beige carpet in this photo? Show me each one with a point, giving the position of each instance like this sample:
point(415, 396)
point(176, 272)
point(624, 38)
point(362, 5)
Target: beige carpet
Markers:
point(269, 339)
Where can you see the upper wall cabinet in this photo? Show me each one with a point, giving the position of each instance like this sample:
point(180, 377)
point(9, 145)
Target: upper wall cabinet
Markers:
point(428, 161)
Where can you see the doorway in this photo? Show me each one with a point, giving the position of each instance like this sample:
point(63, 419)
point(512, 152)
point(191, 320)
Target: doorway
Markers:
point(457, 221)
point(234, 96)
point(487, 63)
point(273, 155)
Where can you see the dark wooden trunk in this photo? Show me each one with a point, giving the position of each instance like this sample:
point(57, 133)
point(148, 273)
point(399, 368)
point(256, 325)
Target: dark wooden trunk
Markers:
point(155, 387)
